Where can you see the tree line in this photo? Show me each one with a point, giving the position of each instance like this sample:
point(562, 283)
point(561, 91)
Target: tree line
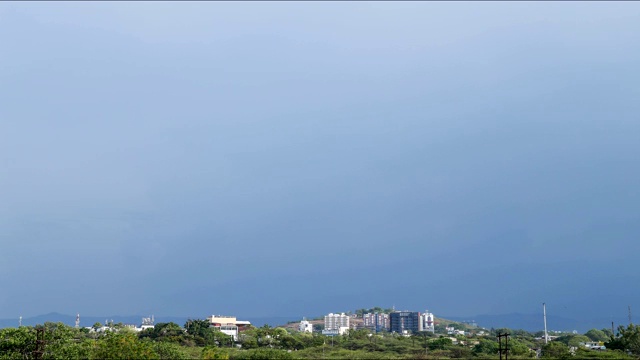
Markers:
point(196, 339)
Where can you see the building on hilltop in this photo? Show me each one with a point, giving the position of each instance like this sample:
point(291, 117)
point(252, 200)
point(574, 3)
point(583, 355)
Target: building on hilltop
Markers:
point(376, 322)
point(335, 324)
point(427, 322)
point(405, 322)
point(305, 326)
point(335, 321)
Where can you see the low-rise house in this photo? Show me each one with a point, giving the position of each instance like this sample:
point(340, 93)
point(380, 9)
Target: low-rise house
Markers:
point(228, 325)
point(305, 326)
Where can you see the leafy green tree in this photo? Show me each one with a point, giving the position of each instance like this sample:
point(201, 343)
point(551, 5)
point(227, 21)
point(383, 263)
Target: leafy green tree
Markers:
point(123, 346)
point(440, 343)
point(607, 332)
point(627, 339)
point(596, 335)
point(555, 350)
point(17, 343)
point(197, 327)
point(169, 351)
point(170, 332)
point(572, 339)
point(212, 353)
point(519, 348)
point(460, 352)
point(65, 342)
point(485, 347)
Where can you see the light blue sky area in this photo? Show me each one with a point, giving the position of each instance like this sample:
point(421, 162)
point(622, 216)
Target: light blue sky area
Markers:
point(300, 158)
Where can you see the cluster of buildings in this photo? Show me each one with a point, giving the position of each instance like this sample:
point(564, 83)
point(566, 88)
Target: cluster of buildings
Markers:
point(405, 322)
point(402, 322)
point(147, 323)
point(229, 325)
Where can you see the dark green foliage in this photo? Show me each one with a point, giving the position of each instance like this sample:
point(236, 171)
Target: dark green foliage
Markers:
point(572, 339)
point(17, 343)
point(169, 351)
point(597, 335)
point(627, 339)
point(439, 343)
point(262, 354)
point(373, 310)
point(519, 348)
point(485, 347)
point(197, 327)
point(123, 346)
point(199, 341)
point(555, 350)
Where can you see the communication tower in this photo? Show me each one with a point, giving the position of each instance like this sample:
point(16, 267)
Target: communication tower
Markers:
point(544, 315)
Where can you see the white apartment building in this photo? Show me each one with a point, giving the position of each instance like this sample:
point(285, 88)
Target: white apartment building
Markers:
point(336, 321)
point(427, 321)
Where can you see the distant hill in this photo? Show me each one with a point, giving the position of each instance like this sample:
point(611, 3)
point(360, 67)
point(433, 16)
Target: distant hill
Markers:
point(528, 322)
point(535, 322)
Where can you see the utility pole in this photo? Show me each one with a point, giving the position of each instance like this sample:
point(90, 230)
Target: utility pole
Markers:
point(544, 314)
point(630, 323)
point(39, 352)
point(503, 350)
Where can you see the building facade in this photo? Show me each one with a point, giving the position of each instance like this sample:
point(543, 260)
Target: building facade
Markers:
point(404, 322)
point(427, 322)
point(376, 322)
point(228, 325)
point(336, 321)
point(305, 326)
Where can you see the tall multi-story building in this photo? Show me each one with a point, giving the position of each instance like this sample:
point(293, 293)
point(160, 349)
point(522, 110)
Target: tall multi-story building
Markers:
point(403, 322)
point(336, 321)
point(427, 322)
point(376, 321)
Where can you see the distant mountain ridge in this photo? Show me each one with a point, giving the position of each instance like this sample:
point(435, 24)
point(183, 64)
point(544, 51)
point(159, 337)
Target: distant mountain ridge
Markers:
point(535, 322)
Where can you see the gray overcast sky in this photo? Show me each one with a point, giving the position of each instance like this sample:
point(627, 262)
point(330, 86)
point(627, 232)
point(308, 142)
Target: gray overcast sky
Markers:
point(298, 158)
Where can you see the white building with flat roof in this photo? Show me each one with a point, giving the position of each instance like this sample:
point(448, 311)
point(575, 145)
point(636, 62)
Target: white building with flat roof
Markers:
point(218, 321)
point(305, 326)
point(427, 322)
point(336, 321)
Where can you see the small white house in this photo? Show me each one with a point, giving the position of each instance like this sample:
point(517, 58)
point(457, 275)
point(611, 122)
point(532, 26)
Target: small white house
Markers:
point(305, 326)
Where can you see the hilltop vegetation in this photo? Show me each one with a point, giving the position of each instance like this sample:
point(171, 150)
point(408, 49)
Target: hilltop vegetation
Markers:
point(196, 340)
